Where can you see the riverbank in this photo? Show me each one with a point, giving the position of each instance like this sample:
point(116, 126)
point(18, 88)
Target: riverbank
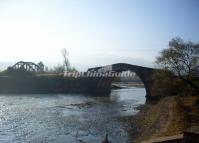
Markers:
point(51, 84)
point(169, 117)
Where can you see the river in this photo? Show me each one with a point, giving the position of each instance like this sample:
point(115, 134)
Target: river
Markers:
point(67, 118)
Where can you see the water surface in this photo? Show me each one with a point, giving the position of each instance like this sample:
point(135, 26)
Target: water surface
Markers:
point(67, 118)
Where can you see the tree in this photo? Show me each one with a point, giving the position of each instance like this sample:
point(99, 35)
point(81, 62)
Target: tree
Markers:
point(182, 59)
point(66, 60)
point(41, 66)
point(58, 69)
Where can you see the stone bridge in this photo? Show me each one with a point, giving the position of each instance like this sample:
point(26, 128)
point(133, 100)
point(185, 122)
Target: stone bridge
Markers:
point(144, 73)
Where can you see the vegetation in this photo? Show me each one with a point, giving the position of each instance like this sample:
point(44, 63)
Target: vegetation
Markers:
point(180, 64)
point(41, 65)
point(57, 69)
point(60, 68)
point(17, 72)
point(179, 75)
point(66, 60)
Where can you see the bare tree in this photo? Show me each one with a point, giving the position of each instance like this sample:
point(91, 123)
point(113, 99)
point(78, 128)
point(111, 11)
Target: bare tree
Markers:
point(66, 60)
point(182, 58)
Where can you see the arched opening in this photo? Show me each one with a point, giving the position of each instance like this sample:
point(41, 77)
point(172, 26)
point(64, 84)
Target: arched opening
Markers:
point(144, 73)
point(128, 79)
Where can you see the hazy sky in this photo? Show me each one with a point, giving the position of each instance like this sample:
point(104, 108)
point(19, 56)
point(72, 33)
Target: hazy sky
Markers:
point(95, 32)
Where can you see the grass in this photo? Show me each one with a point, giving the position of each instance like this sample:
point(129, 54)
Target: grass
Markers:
point(183, 114)
point(170, 116)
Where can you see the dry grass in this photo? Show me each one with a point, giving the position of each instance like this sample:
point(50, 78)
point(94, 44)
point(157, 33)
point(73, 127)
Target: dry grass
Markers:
point(183, 114)
point(171, 116)
point(155, 118)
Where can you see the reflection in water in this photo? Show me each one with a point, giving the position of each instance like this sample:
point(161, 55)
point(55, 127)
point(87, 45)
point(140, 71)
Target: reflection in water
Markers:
point(67, 118)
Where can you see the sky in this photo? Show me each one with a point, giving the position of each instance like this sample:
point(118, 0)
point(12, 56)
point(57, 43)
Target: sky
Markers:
point(95, 32)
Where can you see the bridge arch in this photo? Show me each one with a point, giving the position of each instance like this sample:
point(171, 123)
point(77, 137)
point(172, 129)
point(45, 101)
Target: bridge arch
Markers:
point(144, 73)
